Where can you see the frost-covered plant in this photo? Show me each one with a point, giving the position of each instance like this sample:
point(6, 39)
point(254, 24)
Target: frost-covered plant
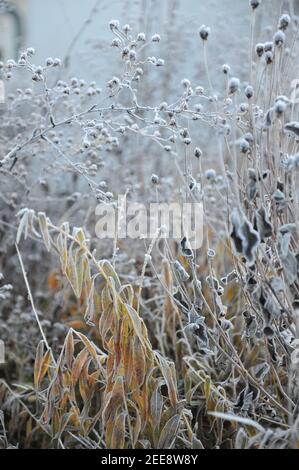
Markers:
point(155, 345)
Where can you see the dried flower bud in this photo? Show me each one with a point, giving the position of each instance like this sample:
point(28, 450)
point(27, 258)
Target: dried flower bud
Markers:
point(156, 38)
point(280, 107)
point(211, 174)
point(197, 152)
point(243, 107)
point(160, 62)
point(284, 22)
point(30, 51)
point(116, 42)
point(249, 92)
point(199, 91)
point(244, 146)
point(249, 138)
point(127, 28)
point(225, 69)
point(49, 62)
point(114, 24)
point(254, 4)
point(269, 57)
point(204, 32)
point(141, 37)
point(155, 179)
point(186, 83)
point(260, 49)
point(39, 70)
point(132, 55)
point(279, 38)
point(268, 46)
point(233, 85)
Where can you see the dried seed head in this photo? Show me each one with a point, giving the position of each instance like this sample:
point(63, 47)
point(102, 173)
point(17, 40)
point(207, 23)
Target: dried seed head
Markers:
point(30, 51)
point(197, 152)
point(114, 24)
point(280, 107)
point(225, 69)
point(186, 83)
point(204, 32)
point(260, 49)
point(49, 62)
point(279, 38)
point(249, 92)
point(233, 85)
point(284, 22)
point(269, 57)
point(141, 37)
point(116, 42)
point(155, 179)
point(132, 55)
point(199, 91)
point(268, 46)
point(127, 28)
point(249, 137)
point(160, 62)
point(244, 146)
point(243, 107)
point(185, 248)
point(211, 174)
point(57, 62)
point(254, 4)
point(156, 38)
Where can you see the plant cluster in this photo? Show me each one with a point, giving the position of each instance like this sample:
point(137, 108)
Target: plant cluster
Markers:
point(151, 344)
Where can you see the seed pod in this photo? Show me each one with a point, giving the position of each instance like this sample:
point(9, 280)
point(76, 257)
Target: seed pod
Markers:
point(249, 92)
point(197, 152)
point(225, 69)
point(233, 85)
point(280, 107)
point(181, 272)
point(254, 4)
point(156, 38)
point(211, 174)
point(269, 57)
point(279, 38)
point(155, 179)
point(268, 46)
point(284, 22)
point(186, 251)
point(260, 49)
point(204, 32)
